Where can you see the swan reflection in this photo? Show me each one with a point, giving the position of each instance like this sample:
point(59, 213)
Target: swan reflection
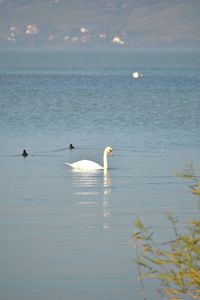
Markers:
point(106, 195)
point(86, 180)
point(93, 190)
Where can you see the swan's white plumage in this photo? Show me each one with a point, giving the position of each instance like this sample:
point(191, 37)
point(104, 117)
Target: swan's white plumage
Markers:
point(86, 165)
point(91, 165)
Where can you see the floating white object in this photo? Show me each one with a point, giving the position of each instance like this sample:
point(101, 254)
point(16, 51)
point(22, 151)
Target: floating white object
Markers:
point(136, 75)
point(88, 165)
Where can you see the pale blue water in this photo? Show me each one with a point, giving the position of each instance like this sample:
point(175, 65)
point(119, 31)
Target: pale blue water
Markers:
point(66, 235)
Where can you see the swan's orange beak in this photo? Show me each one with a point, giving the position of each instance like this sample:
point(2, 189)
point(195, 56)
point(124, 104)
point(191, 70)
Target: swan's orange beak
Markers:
point(110, 152)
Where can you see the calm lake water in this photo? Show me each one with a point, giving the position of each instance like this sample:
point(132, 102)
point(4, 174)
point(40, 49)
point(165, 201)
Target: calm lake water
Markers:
point(67, 235)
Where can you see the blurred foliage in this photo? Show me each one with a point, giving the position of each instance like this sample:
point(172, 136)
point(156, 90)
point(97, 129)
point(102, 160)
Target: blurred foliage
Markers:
point(189, 173)
point(175, 263)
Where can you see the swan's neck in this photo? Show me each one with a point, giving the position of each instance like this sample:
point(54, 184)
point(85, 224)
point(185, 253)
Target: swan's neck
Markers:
point(105, 160)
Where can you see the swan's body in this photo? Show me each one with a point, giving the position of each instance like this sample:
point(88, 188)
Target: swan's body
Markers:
point(88, 165)
point(85, 165)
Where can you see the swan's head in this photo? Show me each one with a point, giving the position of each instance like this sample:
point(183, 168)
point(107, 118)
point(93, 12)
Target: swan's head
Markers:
point(108, 150)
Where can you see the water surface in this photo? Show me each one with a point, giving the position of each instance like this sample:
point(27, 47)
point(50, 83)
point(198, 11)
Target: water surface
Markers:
point(67, 234)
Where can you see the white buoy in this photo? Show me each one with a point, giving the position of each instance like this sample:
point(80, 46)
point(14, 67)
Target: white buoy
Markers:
point(136, 75)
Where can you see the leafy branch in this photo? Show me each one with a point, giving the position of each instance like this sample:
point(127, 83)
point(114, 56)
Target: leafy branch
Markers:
point(175, 263)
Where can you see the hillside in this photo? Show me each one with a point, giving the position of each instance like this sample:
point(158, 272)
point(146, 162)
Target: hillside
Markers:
point(127, 23)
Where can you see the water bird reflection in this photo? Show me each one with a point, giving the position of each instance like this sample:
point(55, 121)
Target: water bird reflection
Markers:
point(93, 190)
point(84, 179)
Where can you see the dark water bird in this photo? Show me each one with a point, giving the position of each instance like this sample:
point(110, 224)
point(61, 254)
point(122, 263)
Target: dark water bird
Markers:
point(24, 153)
point(71, 146)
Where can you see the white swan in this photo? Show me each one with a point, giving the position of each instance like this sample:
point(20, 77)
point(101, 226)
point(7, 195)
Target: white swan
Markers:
point(88, 165)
